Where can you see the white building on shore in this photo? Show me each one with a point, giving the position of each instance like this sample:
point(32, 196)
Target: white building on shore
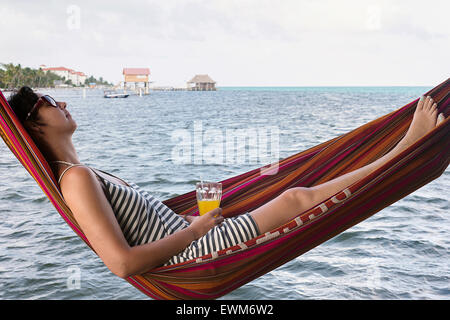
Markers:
point(76, 77)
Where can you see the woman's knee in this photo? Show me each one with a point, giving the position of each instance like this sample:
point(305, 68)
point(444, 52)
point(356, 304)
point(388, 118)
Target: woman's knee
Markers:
point(298, 196)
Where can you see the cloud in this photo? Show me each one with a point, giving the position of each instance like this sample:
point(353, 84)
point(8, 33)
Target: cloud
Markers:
point(245, 42)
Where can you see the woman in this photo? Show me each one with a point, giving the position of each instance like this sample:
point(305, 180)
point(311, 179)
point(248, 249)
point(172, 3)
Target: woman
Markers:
point(131, 231)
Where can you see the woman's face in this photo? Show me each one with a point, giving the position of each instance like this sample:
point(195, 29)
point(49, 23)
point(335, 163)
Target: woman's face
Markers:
point(57, 120)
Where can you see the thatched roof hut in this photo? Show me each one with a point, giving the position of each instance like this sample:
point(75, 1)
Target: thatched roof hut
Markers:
point(201, 82)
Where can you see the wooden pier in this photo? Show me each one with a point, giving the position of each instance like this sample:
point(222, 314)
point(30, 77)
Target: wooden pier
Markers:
point(201, 82)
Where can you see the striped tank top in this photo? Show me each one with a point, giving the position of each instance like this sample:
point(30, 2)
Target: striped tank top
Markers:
point(142, 217)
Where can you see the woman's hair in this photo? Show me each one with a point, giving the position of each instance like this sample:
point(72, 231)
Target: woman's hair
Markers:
point(22, 101)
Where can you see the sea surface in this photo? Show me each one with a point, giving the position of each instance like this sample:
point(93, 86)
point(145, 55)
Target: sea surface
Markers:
point(402, 252)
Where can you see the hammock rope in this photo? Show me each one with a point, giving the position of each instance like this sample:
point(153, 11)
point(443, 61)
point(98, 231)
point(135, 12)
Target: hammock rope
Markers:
point(219, 273)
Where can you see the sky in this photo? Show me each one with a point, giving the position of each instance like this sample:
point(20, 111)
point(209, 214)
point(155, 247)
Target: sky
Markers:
point(236, 42)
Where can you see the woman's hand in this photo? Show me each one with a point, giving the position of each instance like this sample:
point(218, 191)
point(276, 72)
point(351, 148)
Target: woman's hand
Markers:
point(190, 219)
point(202, 224)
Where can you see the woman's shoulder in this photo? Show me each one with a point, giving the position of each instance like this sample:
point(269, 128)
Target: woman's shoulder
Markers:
point(81, 183)
point(78, 177)
point(82, 174)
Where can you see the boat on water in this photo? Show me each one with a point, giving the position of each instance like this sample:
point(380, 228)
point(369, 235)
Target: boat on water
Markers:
point(113, 94)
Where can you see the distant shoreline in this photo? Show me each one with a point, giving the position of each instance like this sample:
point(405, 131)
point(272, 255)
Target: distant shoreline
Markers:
point(232, 87)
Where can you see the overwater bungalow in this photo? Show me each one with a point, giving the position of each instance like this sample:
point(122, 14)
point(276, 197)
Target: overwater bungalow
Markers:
point(136, 75)
point(201, 82)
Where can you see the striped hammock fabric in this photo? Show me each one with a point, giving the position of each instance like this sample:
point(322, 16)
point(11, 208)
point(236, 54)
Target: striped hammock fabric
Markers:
point(217, 274)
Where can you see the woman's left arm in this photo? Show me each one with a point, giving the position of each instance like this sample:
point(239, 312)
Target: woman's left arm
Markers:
point(147, 256)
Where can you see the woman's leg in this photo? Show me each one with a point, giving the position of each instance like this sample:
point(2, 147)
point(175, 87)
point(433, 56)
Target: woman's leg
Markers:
point(295, 200)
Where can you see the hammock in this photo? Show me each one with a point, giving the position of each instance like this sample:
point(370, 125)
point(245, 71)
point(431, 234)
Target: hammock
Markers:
point(217, 274)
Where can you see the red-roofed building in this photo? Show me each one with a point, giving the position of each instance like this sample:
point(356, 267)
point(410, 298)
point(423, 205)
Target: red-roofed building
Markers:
point(136, 71)
point(136, 75)
point(77, 77)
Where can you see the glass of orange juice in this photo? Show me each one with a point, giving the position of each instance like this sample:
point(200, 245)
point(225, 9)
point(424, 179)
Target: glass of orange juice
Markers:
point(208, 196)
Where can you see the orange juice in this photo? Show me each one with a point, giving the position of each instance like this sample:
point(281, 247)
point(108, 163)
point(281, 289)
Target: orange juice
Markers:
point(205, 206)
point(208, 196)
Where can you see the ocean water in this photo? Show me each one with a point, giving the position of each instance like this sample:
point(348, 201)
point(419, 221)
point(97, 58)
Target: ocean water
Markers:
point(402, 252)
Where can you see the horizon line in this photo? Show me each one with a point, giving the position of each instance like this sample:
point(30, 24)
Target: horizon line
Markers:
point(315, 86)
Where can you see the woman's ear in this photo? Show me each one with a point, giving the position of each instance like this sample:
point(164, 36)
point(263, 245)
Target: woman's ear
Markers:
point(34, 128)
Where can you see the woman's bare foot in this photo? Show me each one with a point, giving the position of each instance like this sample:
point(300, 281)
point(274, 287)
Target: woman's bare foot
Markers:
point(424, 120)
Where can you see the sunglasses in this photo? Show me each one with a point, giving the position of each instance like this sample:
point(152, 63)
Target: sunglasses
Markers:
point(42, 100)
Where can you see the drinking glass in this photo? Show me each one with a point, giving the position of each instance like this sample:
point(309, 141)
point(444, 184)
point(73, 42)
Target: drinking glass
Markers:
point(208, 196)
